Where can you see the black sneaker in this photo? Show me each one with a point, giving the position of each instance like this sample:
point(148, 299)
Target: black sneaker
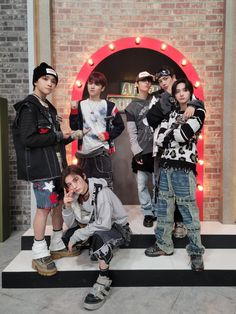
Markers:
point(148, 221)
point(154, 251)
point(197, 262)
point(97, 296)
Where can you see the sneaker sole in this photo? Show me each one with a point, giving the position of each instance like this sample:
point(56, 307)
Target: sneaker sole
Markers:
point(58, 255)
point(197, 269)
point(93, 307)
point(157, 255)
point(148, 225)
point(42, 271)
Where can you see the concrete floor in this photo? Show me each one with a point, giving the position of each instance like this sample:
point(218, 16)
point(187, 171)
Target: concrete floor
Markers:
point(163, 300)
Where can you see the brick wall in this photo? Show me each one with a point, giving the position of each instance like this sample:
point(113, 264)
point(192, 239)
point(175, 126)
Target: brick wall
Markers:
point(14, 87)
point(80, 28)
point(195, 28)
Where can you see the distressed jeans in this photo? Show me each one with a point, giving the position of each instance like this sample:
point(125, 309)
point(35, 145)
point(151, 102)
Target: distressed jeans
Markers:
point(148, 205)
point(177, 185)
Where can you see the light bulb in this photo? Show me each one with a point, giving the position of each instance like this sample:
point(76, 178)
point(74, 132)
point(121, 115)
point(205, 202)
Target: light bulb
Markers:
point(90, 61)
point(111, 46)
point(137, 40)
point(197, 84)
point(78, 83)
point(163, 46)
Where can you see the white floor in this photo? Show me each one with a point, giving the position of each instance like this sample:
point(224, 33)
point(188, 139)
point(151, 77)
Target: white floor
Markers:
point(132, 300)
point(133, 259)
point(136, 224)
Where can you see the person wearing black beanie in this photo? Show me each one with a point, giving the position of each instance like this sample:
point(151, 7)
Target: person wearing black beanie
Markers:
point(41, 156)
point(42, 70)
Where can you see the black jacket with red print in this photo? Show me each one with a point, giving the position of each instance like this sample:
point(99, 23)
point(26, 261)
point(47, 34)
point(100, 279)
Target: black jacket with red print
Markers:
point(37, 138)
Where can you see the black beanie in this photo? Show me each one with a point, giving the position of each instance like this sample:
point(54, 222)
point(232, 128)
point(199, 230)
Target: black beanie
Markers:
point(44, 69)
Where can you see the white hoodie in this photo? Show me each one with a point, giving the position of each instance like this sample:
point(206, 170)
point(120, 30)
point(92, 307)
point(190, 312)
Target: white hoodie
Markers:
point(108, 210)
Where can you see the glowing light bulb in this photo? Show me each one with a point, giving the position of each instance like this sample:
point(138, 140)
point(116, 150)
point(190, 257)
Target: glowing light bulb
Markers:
point(201, 162)
point(78, 83)
point(197, 84)
point(74, 161)
point(111, 47)
point(200, 137)
point(200, 187)
point(184, 62)
point(137, 40)
point(90, 61)
point(163, 46)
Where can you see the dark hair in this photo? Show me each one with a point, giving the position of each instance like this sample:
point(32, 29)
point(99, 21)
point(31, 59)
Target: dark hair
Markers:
point(165, 70)
point(71, 170)
point(98, 78)
point(188, 86)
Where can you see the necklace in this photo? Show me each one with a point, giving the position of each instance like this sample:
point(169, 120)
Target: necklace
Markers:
point(42, 101)
point(92, 105)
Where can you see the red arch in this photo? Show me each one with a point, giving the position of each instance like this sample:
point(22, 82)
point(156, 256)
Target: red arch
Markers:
point(130, 42)
point(156, 45)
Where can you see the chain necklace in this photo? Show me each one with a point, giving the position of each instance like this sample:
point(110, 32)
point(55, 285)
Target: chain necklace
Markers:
point(42, 101)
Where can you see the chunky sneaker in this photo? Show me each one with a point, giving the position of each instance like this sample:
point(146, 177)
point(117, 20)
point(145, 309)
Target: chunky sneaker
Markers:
point(180, 230)
point(148, 221)
point(197, 262)
point(97, 296)
point(76, 250)
point(44, 266)
point(154, 251)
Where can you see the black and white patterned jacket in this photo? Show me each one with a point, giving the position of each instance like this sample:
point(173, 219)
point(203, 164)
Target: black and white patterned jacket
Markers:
point(179, 139)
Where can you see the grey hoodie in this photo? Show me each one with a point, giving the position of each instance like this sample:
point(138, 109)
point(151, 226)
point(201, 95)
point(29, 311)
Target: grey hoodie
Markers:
point(98, 217)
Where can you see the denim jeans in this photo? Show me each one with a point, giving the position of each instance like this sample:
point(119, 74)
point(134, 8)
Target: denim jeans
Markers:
point(177, 185)
point(147, 203)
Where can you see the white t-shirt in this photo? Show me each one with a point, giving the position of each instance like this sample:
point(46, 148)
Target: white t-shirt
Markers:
point(94, 113)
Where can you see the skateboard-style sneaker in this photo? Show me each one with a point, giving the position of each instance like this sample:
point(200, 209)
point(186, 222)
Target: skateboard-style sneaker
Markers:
point(98, 294)
point(44, 266)
point(154, 251)
point(76, 250)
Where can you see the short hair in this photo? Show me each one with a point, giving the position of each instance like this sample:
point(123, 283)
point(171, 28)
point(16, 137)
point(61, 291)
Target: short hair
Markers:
point(97, 78)
point(188, 86)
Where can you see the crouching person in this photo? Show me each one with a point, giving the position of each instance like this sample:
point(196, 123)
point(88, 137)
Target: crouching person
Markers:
point(91, 209)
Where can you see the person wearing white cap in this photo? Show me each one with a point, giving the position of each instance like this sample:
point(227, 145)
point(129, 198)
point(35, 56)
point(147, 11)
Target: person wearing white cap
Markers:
point(141, 140)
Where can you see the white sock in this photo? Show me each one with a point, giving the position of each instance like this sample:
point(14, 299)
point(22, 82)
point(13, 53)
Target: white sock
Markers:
point(40, 249)
point(56, 241)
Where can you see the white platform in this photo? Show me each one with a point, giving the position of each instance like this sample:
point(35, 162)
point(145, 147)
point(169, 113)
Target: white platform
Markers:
point(133, 259)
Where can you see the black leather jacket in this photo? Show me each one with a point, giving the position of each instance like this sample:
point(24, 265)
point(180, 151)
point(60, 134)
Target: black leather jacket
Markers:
point(37, 137)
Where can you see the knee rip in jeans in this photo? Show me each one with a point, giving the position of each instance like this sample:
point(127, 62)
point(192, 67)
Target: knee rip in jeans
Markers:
point(184, 200)
point(162, 221)
point(193, 228)
point(165, 195)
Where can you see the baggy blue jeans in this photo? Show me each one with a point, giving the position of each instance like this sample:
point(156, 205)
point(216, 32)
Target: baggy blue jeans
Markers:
point(178, 185)
point(147, 203)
